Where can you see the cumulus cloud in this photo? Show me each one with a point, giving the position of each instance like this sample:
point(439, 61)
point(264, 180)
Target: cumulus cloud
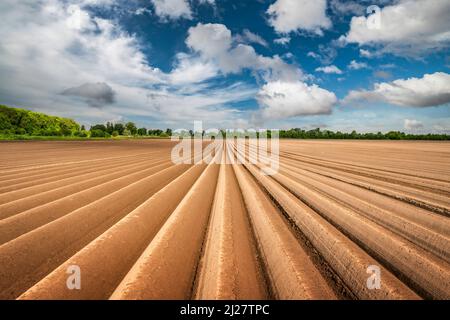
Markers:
point(286, 16)
point(249, 37)
point(210, 39)
point(412, 124)
point(282, 41)
point(53, 45)
point(428, 91)
point(285, 93)
point(290, 99)
point(354, 65)
point(43, 52)
point(214, 43)
point(96, 94)
point(347, 7)
point(62, 59)
point(329, 69)
point(407, 27)
point(172, 9)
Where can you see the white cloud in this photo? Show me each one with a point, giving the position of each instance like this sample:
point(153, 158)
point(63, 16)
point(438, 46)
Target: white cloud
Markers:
point(290, 99)
point(191, 70)
point(365, 53)
point(214, 43)
point(249, 37)
point(430, 90)
point(329, 69)
point(209, 39)
point(209, 106)
point(172, 9)
point(141, 11)
point(313, 55)
point(64, 60)
point(67, 51)
point(299, 15)
point(44, 53)
point(354, 65)
point(283, 40)
point(412, 124)
point(347, 7)
point(408, 27)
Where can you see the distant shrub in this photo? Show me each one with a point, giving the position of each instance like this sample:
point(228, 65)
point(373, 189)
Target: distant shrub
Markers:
point(66, 132)
point(21, 131)
point(48, 133)
point(97, 133)
point(101, 127)
point(142, 131)
point(115, 133)
point(81, 134)
point(156, 132)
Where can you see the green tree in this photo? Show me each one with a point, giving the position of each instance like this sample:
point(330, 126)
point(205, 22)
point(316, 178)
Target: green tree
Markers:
point(96, 133)
point(142, 131)
point(119, 127)
point(131, 127)
point(100, 127)
point(109, 127)
point(155, 132)
point(22, 121)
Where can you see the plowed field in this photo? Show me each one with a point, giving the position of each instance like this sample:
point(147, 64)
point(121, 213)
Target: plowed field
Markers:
point(140, 227)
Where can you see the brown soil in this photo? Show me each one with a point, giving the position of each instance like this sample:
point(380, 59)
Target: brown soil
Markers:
point(140, 227)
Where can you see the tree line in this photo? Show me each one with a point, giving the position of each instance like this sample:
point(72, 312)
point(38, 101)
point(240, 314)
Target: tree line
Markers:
point(14, 121)
point(298, 133)
point(127, 129)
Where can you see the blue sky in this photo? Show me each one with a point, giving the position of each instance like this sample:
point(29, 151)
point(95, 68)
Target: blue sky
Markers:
point(261, 63)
